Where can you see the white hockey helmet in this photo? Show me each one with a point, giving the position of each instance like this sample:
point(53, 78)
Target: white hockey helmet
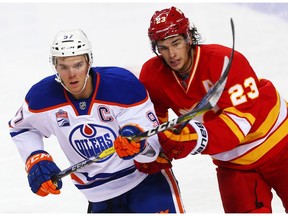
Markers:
point(70, 43)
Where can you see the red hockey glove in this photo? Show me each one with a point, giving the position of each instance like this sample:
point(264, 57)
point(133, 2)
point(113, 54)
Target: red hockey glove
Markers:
point(192, 140)
point(40, 168)
point(128, 149)
point(156, 166)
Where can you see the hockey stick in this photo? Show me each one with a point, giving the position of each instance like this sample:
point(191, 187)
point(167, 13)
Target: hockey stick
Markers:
point(83, 163)
point(209, 100)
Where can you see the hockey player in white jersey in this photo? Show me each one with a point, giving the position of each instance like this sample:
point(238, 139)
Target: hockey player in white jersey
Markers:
point(88, 108)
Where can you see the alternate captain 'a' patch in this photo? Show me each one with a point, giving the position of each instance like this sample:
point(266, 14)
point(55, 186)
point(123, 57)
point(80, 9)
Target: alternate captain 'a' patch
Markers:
point(62, 118)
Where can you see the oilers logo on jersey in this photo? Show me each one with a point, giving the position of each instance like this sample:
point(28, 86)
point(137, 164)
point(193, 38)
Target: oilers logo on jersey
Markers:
point(91, 139)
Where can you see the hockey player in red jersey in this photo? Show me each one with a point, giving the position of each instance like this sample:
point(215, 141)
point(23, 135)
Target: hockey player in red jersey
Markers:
point(88, 109)
point(245, 133)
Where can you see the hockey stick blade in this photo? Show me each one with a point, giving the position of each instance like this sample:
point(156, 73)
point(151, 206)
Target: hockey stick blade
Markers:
point(83, 163)
point(209, 100)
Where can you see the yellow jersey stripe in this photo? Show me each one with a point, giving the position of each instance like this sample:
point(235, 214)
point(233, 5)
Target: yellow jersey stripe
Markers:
point(259, 151)
point(267, 124)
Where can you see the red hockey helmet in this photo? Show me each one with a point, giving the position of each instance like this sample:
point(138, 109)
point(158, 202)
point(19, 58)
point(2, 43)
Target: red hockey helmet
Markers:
point(168, 22)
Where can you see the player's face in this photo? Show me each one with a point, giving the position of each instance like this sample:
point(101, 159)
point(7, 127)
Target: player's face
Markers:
point(72, 71)
point(175, 50)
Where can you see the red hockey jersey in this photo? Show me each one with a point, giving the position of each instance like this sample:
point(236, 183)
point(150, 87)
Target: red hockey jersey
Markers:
point(249, 124)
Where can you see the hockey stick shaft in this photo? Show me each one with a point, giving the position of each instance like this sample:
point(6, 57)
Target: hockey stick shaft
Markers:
point(209, 100)
point(213, 95)
point(83, 163)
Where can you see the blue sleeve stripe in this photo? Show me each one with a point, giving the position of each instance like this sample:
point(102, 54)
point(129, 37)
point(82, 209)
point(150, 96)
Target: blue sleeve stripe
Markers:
point(12, 134)
point(108, 178)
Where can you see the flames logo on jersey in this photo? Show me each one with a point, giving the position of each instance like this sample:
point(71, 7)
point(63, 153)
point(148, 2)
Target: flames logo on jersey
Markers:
point(90, 139)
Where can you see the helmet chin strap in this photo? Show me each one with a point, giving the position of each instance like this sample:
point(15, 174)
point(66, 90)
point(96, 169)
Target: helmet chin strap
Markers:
point(59, 80)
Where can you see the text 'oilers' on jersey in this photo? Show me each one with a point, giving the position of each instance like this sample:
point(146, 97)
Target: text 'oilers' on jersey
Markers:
point(249, 123)
point(86, 127)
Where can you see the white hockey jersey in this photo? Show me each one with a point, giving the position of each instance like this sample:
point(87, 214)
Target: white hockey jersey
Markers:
point(86, 127)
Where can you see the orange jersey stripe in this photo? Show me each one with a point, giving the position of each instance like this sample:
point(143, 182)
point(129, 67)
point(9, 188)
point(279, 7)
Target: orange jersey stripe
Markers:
point(175, 190)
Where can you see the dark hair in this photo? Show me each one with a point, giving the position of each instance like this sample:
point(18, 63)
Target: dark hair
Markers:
point(196, 37)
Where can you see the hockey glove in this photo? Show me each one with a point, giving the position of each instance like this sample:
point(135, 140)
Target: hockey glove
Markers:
point(40, 168)
point(192, 140)
point(129, 149)
point(153, 167)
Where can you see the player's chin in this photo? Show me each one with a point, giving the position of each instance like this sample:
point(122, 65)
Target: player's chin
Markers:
point(73, 89)
point(175, 67)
